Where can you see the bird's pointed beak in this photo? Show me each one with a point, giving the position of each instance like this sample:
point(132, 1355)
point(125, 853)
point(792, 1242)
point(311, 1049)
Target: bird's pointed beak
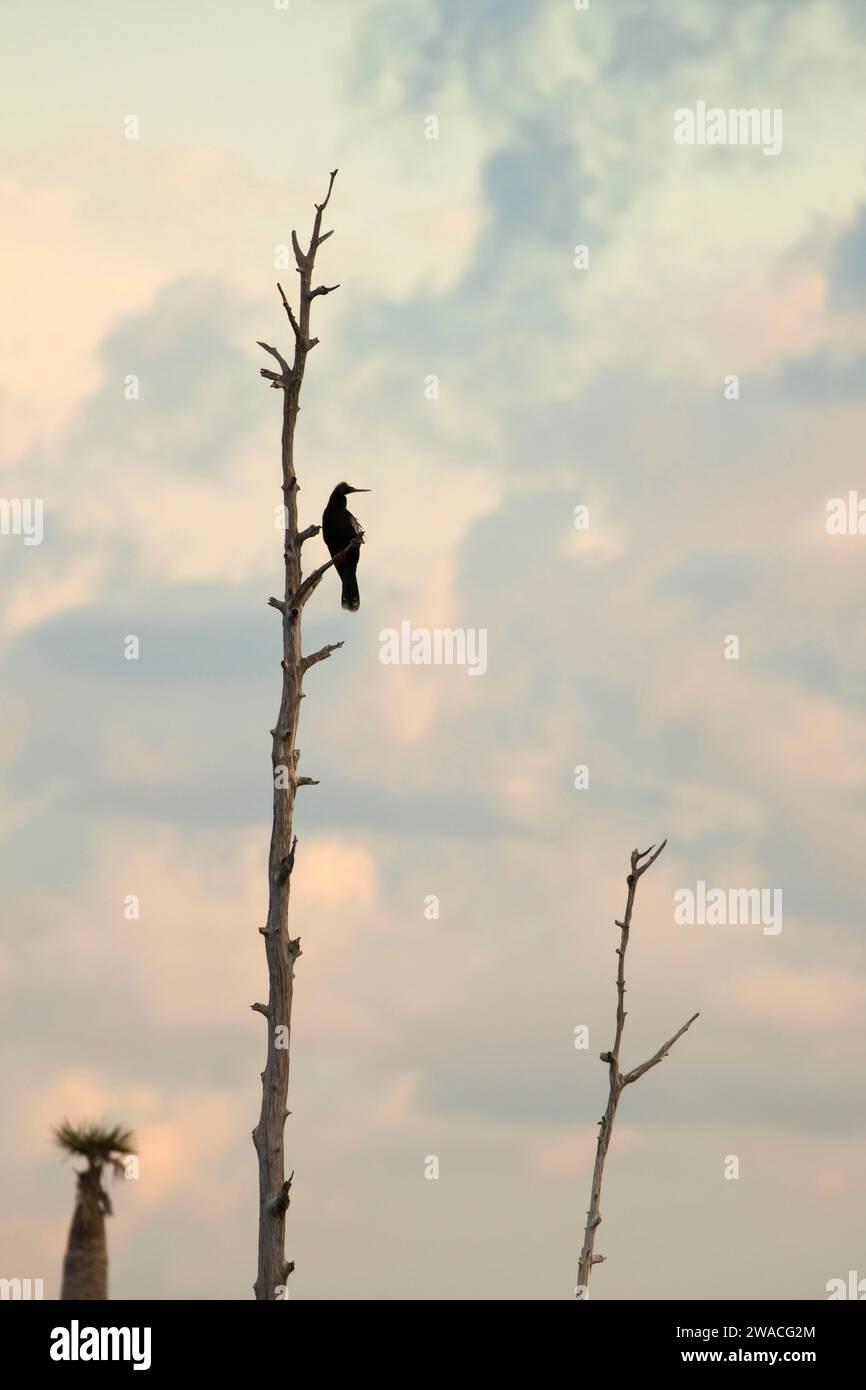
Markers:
point(360, 489)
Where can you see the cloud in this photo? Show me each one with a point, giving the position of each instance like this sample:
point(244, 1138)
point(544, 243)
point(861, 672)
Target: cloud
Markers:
point(51, 359)
point(806, 999)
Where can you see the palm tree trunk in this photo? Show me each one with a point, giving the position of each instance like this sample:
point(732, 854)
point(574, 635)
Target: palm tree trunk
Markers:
point(85, 1264)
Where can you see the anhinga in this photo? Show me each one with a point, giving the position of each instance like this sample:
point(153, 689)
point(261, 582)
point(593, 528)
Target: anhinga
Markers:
point(339, 529)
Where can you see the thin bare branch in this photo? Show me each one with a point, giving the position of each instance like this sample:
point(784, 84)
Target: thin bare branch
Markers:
point(284, 366)
point(617, 1081)
point(300, 256)
point(321, 289)
point(300, 596)
point(320, 207)
point(307, 534)
point(636, 855)
point(321, 655)
point(659, 1056)
point(296, 327)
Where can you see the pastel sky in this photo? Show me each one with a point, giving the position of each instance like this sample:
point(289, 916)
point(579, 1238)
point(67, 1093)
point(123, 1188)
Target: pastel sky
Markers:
point(558, 387)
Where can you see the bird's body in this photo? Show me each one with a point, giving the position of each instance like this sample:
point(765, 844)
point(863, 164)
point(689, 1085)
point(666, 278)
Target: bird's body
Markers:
point(339, 529)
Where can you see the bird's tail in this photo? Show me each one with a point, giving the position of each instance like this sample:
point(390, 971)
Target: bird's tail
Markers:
point(351, 597)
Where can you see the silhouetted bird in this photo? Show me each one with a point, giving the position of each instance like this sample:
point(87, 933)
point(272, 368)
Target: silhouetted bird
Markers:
point(339, 528)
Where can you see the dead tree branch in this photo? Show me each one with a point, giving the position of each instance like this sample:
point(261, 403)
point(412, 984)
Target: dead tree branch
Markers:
point(322, 289)
point(321, 655)
point(283, 950)
point(617, 1079)
point(313, 580)
point(307, 534)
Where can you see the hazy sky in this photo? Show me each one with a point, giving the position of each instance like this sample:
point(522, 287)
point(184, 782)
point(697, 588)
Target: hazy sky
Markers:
point(559, 387)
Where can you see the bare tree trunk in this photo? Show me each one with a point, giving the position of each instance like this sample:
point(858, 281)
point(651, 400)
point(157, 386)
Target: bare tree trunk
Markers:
point(618, 1079)
point(85, 1264)
point(282, 950)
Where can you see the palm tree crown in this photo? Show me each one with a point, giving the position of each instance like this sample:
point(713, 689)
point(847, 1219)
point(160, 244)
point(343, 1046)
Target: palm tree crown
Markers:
point(99, 1144)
